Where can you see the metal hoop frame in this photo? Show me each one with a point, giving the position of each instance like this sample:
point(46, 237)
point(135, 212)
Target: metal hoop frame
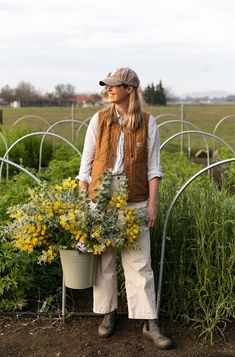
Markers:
point(33, 134)
point(197, 132)
point(30, 116)
point(47, 131)
point(189, 142)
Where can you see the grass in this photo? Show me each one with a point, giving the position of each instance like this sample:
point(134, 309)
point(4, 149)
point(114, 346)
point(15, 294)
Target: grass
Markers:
point(204, 117)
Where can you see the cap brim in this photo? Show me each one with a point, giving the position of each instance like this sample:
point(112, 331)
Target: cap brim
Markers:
point(110, 82)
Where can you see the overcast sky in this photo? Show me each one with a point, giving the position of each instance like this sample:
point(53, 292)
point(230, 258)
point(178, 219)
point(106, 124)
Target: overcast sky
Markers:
point(188, 44)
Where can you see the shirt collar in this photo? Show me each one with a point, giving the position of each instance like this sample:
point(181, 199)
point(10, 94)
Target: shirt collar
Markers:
point(117, 114)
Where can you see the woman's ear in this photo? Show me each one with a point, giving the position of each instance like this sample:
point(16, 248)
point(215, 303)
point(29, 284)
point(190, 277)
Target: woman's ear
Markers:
point(130, 89)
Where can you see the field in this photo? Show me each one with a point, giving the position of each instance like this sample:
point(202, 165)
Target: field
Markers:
point(199, 276)
point(204, 116)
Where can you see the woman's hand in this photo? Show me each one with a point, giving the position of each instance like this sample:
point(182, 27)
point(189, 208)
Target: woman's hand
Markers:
point(151, 213)
point(83, 185)
point(152, 202)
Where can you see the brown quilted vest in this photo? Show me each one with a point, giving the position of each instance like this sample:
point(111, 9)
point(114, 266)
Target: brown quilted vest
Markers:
point(135, 154)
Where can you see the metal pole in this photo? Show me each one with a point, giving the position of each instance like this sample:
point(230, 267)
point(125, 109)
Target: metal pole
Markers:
point(63, 297)
point(73, 128)
point(1, 117)
point(182, 129)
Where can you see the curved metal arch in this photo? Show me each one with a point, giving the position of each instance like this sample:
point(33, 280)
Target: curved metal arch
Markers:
point(221, 121)
point(177, 121)
point(84, 123)
point(181, 118)
point(168, 214)
point(6, 148)
point(197, 132)
point(33, 134)
point(168, 115)
point(47, 131)
point(9, 162)
point(30, 116)
point(194, 126)
point(87, 119)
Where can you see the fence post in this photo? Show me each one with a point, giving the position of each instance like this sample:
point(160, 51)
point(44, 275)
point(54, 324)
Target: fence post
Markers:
point(182, 129)
point(73, 124)
point(1, 116)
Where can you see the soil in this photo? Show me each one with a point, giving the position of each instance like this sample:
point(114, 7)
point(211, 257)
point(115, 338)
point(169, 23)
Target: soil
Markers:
point(32, 334)
point(78, 337)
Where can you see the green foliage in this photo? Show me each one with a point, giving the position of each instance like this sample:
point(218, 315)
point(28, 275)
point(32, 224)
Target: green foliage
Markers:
point(23, 280)
point(13, 191)
point(199, 279)
point(15, 279)
point(60, 169)
point(155, 95)
point(229, 170)
point(64, 152)
point(47, 279)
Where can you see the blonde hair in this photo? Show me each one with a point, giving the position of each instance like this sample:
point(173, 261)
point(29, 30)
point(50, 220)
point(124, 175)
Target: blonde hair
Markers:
point(134, 115)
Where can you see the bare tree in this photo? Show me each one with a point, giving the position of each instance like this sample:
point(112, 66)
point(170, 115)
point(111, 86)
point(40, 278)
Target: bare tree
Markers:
point(26, 93)
point(7, 94)
point(65, 93)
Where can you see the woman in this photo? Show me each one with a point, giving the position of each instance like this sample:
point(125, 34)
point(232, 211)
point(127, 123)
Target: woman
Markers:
point(125, 139)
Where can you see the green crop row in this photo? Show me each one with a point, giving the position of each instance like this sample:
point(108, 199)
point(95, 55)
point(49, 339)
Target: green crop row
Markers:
point(199, 266)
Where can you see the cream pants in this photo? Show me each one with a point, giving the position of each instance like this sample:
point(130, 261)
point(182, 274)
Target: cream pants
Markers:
point(139, 279)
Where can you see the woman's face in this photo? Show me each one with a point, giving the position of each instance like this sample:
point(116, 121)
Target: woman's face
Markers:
point(118, 94)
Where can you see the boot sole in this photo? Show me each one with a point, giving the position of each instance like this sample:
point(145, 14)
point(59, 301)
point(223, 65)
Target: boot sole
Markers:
point(167, 347)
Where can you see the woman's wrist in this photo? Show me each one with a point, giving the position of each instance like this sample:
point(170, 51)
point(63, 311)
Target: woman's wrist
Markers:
point(83, 185)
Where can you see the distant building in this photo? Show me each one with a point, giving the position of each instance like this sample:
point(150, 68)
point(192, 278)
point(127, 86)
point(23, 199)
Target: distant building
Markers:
point(15, 104)
point(87, 100)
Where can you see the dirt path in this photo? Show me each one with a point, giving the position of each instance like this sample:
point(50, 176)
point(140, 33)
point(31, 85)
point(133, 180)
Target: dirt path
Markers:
point(78, 337)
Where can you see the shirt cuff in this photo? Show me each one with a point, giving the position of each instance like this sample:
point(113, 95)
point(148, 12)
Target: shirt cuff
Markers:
point(155, 173)
point(84, 178)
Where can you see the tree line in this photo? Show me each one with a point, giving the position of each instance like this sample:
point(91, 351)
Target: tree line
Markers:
point(64, 94)
point(26, 93)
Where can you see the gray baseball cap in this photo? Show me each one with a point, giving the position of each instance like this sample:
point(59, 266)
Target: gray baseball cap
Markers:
point(120, 76)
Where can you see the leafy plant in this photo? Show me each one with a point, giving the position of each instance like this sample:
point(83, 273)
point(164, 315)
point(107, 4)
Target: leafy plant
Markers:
point(13, 191)
point(15, 279)
point(229, 170)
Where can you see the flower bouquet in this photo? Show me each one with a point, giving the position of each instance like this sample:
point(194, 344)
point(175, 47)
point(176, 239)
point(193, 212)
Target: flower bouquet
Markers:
point(62, 216)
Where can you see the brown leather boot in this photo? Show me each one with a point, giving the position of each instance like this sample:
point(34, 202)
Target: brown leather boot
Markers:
point(152, 332)
point(107, 326)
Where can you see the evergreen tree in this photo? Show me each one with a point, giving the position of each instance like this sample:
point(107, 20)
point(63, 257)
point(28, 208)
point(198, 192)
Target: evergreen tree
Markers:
point(160, 94)
point(155, 95)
